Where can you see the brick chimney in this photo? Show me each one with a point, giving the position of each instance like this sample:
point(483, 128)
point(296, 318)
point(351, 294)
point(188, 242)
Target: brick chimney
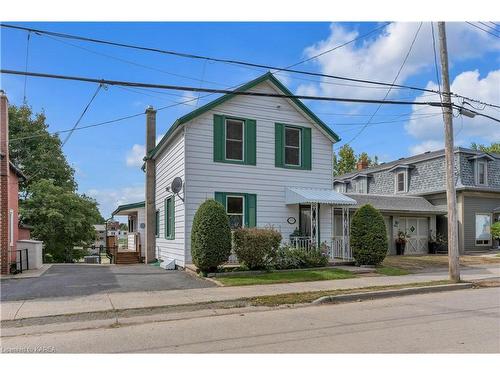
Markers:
point(4, 183)
point(362, 164)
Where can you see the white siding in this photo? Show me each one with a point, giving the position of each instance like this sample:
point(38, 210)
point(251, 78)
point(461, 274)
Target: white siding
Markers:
point(204, 176)
point(170, 164)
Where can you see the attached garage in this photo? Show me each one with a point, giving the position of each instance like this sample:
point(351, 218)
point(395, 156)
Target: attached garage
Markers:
point(414, 215)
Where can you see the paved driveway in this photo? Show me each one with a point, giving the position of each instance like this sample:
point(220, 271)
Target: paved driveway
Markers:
point(63, 280)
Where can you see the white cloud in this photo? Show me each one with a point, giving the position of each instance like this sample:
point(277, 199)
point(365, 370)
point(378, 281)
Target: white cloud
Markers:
point(135, 155)
point(110, 199)
point(380, 58)
point(429, 130)
point(430, 145)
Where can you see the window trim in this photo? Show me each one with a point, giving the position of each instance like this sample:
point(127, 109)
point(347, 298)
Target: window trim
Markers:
point(294, 147)
point(171, 235)
point(306, 154)
point(475, 234)
point(243, 125)
point(485, 163)
point(243, 197)
point(405, 182)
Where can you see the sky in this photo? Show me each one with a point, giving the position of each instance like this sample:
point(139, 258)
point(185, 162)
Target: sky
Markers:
point(107, 159)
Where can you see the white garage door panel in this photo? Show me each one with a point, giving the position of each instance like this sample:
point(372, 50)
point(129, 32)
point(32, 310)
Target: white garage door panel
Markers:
point(418, 229)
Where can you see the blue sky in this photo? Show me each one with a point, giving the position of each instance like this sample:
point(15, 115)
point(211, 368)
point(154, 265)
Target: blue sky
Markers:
point(106, 158)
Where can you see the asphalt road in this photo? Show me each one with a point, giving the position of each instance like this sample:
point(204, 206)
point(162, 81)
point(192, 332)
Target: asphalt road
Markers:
point(82, 279)
point(447, 322)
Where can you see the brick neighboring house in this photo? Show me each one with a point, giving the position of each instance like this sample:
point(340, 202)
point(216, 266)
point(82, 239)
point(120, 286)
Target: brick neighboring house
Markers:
point(10, 176)
point(408, 190)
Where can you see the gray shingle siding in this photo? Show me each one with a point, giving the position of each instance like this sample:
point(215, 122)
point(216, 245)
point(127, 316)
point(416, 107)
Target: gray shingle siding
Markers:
point(428, 174)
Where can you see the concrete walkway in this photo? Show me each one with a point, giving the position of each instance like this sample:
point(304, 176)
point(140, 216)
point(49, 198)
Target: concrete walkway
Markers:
point(130, 300)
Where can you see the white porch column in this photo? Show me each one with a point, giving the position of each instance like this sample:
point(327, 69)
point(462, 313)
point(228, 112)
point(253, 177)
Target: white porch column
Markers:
point(314, 224)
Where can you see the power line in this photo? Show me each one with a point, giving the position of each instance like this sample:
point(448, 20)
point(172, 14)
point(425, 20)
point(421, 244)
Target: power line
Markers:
point(488, 26)
point(339, 46)
point(228, 61)
point(210, 90)
point(82, 114)
point(192, 56)
point(394, 81)
point(494, 23)
point(480, 28)
point(26, 65)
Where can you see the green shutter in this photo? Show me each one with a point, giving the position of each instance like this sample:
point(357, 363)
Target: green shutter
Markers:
point(157, 222)
point(306, 148)
point(250, 210)
point(250, 142)
point(219, 138)
point(278, 145)
point(221, 198)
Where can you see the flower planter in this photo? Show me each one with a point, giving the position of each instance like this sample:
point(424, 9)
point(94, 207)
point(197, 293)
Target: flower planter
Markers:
point(400, 248)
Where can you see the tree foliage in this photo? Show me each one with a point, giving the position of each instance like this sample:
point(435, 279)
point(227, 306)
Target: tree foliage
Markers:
point(210, 236)
point(61, 218)
point(40, 157)
point(368, 236)
point(345, 161)
point(494, 147)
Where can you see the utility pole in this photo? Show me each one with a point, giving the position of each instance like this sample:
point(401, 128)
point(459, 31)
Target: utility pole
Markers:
point(150, 186)
point(451, 196)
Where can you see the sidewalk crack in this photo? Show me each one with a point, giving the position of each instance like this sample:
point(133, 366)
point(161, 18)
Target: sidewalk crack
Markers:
point(17, 312)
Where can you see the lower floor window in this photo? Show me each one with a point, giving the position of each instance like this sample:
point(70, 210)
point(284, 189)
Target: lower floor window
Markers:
point(483, 233)
point(235, 210)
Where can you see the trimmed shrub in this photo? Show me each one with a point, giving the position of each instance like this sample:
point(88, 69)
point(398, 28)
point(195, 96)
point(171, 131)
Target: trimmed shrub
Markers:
point(293, 258)
point(368, 236)
point(495, 230)
point(210, 236)
point(256, 248)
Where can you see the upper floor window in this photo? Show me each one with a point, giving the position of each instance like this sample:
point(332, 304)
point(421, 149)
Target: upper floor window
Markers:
point(340, 188)
point(234, 139)
point(401, 182)
point(481, 172)
point(360, 185)
point(292, 146)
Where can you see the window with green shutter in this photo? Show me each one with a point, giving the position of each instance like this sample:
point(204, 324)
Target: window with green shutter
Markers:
point(292, 147)
point(235, 140)
point(170, 218)
point(241, 208)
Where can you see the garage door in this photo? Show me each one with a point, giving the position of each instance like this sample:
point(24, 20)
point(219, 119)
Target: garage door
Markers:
point(418, 229)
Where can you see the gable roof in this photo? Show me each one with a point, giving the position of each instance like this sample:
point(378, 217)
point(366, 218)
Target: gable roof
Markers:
point(265, 77)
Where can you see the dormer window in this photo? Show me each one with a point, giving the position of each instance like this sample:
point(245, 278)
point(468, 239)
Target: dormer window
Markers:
point(481, 172)
point(340, 187)
point(401, 182)
point(360, 185)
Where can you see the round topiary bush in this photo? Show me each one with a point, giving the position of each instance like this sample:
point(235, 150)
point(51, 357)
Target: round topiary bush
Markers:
point(368, 236)
point(210, 236)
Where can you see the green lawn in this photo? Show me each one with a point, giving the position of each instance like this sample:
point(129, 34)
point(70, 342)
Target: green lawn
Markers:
point(391, 271)
point(285, 277)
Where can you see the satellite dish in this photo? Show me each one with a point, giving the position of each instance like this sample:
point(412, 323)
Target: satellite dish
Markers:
point(176, 185)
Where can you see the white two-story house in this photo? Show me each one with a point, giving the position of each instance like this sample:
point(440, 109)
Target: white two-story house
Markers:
point(268, 160)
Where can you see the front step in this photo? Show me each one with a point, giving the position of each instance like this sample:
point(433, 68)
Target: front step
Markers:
point(127, 258)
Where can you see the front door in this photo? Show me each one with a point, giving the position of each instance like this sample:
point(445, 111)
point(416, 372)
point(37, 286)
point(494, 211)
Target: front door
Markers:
point(305, 220)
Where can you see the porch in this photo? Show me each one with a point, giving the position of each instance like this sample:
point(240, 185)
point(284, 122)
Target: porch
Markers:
point(310, 202)
point(129, 249)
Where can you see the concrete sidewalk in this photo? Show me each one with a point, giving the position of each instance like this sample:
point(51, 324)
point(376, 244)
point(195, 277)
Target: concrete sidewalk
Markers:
point(131, 300)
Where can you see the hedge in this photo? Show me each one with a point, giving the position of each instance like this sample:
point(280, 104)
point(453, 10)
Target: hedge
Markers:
point(210, 236)
point(368, 236)
point(256, 248)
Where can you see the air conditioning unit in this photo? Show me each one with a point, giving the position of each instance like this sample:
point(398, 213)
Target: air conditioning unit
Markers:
point(93, 259)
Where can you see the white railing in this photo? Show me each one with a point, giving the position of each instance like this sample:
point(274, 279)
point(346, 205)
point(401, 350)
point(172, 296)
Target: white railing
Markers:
point(339, 250)
point(301, 243)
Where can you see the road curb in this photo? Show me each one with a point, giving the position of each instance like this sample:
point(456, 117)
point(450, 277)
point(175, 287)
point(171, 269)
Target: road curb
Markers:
point(391, 293)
